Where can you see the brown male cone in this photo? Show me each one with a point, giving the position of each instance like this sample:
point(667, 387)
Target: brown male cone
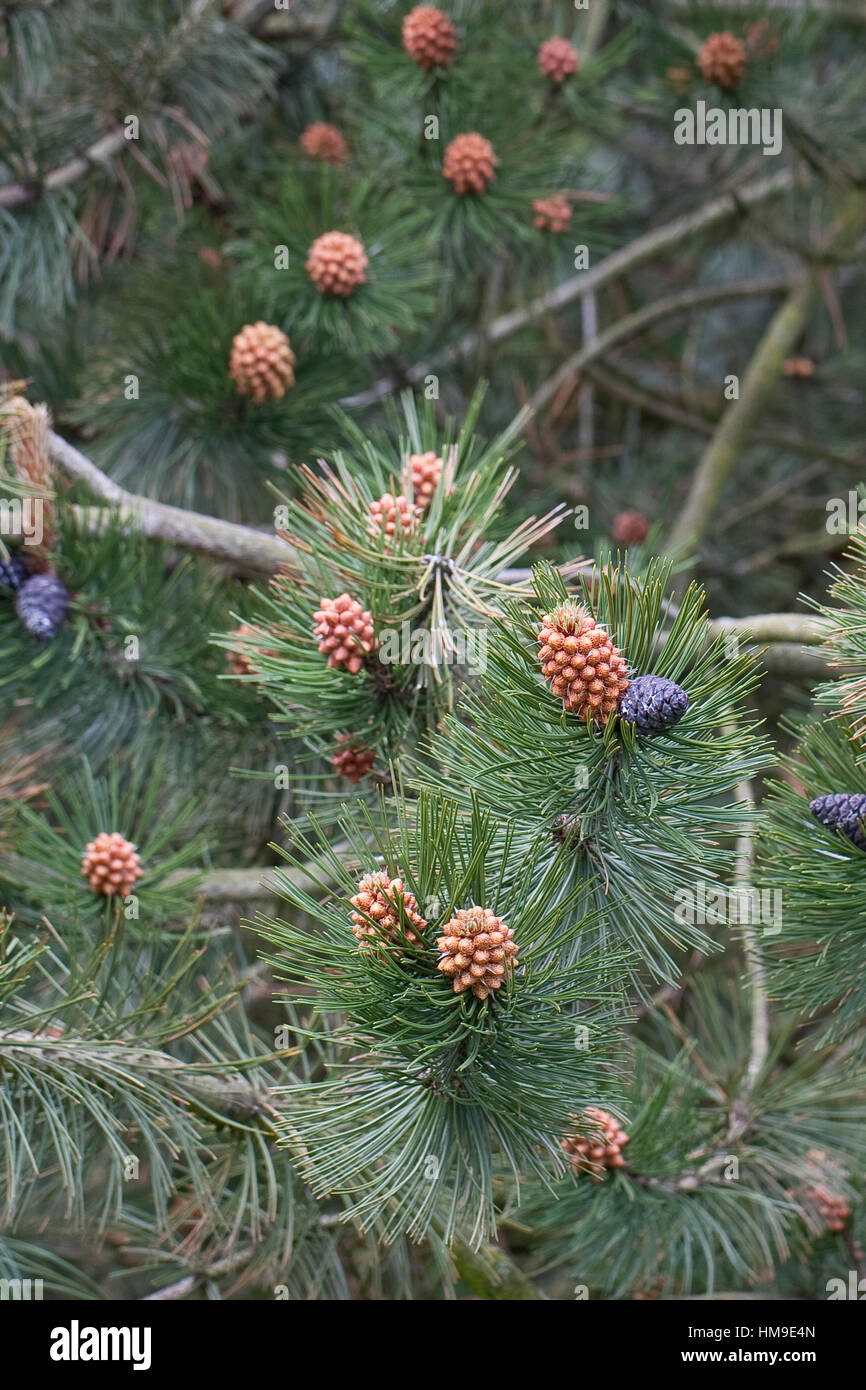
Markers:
point(469, 163)
point(388, 514)
point(477, 951)
point(27, 429)
point(429, 37)
point(558, 59)
point(337, 264)
point(552, 214)
point(262, 363)
point(344, 631)
point(381, 898)
point(111, 864)
point(425, 470)
point(352, 760)
point(581, 664)
point(323, 141)
point(722, 59)
point(596, 1152)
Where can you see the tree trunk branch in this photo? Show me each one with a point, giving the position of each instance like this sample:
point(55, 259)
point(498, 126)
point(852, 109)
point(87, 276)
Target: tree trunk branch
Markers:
point(731, 437)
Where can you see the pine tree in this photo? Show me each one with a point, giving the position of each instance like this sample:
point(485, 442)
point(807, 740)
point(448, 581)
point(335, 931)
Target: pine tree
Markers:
point(413, 883)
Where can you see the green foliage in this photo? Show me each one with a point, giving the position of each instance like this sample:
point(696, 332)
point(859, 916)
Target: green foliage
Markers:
point(129, 624)
point(185, 73)
point(172, 423)
point(647, 819)
point(716, 1190)
point(135, 800)
point(397, 295)
point(429, 591)
point(370, 1135)
point(430, 1093)
point(84, 1079)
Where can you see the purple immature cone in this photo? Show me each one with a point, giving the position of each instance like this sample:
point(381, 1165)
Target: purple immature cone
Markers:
point(842, 811)
point(42, 604)
point(652, 705)
point(13, 572)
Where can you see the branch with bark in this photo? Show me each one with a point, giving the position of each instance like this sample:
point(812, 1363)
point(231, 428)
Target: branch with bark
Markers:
point(644, 248)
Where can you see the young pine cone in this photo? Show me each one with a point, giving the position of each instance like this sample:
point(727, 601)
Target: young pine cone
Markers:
point(595, 1153)
point(468, 163)
point(393, 910)
point(425, 470)
point(833, 1210)
point(389, 513)
point(261, 362)
point(42, 604)
point(14, 572)
point(652, 705)
point(352, 760)
point(722, 59)
point(429, 37)
point(111, 864)
point(842, 811)
point(323, 141)
point(552, 214)
point(345, 632)
point(680, 79)
point(336, 264)
point(558, 59)
point(630, 528)
point(581, 664)
point(477, 950)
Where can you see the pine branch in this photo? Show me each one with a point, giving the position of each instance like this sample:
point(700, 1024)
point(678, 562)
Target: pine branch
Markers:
point(190, 1282)
point(228, 885)
point(113, 142)
point(637, 252)
point(100, 152)
point(666, 406)
point(775, 627)
point(256, 551)
point(732, 435)
point(227, 1098)
point(760, 1030)
point(633, 324)
point(260, 552)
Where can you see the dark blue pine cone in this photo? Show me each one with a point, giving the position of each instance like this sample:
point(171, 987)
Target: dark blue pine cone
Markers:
point(652, 704)
point(842, 811)
point(42, 604)
point(13, 572)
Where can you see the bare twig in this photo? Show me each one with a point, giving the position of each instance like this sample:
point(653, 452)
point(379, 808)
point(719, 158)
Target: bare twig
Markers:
point(759, 1048)
point(731, 437)
point(666, 406)
point(17, 194)
point(637, 252)
point(643, 318)
point(779, 340)
point(257, 551)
